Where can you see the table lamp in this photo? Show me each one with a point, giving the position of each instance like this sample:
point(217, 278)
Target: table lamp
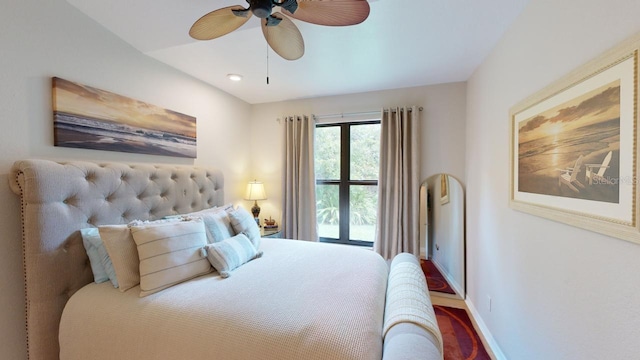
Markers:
point(255, 192)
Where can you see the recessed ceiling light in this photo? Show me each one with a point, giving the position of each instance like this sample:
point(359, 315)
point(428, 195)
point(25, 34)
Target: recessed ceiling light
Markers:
point(234, 77)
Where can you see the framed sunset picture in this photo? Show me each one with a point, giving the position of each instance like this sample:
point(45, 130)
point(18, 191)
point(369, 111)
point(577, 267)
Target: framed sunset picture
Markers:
point(573, 155)
point(90, 118)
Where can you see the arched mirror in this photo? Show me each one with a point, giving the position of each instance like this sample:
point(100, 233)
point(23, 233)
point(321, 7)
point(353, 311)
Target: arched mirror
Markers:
point(442, 232)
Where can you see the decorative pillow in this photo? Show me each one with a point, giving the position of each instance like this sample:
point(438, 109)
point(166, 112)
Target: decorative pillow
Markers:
point(95, 250)
point(122, 250)
point(98, 256)
point(217, 224)
point(180, 216)
point(170, 253)
point(156, 222)
point(199, 212)
point(216, 221)
point(229, 254)
point(244, 223)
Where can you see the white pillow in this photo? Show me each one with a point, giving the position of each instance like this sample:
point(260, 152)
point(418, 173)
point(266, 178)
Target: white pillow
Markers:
point(216, 221)
point(179, 216)
point(231, 253)
point(170, 253)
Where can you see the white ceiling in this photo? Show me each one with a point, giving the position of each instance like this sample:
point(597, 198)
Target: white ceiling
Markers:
point(403, 43)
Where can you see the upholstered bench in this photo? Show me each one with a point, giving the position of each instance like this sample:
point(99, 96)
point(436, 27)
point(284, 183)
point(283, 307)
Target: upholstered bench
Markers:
point(410, 325)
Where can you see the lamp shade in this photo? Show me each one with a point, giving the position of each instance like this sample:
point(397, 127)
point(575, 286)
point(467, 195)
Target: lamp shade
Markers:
point(255, 191)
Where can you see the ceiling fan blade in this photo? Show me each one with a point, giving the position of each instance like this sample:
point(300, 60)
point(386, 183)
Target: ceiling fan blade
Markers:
point(331, 13)
point(285, 38)
point(219, 22)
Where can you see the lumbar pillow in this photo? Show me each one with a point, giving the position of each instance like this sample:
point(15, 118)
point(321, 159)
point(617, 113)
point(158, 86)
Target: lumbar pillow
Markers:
point(170, 253)
point(231, 253)
point(98, 256)
point(244, 223)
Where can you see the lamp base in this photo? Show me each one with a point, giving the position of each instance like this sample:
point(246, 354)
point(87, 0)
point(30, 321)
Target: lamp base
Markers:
point(255, 210)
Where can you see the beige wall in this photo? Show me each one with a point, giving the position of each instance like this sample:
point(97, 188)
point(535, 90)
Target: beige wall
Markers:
point(442, 130)
point(558, 292)
point(41, 39)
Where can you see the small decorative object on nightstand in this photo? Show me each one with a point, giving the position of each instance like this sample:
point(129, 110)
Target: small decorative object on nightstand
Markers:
point(255, 192)
point(270, 229)
point(270, 223)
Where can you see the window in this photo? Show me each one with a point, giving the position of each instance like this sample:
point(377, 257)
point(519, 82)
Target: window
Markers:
point(347, 162)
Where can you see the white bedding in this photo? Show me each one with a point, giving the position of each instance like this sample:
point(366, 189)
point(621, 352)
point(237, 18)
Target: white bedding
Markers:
point(299, 301)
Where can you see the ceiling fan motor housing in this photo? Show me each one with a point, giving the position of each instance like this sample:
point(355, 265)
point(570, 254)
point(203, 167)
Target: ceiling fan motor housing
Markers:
point(261, 8)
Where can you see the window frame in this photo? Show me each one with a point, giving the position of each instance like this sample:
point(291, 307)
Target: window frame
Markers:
point(345, 182)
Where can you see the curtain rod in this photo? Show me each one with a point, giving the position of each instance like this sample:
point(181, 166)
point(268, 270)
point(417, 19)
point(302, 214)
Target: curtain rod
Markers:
point(361, 113)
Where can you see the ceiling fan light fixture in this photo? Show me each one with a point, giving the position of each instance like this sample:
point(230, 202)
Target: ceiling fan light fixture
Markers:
point(234, 77)
point(261, 8)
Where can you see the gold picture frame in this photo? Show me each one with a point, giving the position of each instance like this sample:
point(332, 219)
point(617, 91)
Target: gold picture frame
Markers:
point(573, 147)
point(444, 189)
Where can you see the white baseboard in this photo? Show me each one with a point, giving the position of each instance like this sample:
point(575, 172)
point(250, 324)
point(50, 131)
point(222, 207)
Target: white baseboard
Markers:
point(452, 282)
point(489, 341)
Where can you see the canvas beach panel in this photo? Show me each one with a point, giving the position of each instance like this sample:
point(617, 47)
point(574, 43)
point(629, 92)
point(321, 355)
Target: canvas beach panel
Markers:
point(90, 118)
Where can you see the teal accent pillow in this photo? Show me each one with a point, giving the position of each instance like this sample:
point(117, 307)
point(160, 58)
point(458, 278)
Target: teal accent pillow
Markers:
point(231, 253)
point(218, 225)
point(244, 223)
point(99, 259)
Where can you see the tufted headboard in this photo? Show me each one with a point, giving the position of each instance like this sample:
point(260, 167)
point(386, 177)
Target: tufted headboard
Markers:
point(58, 199)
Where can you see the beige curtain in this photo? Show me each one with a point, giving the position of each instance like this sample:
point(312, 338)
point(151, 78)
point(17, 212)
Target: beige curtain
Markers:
point(299, 182)
point(398, 184)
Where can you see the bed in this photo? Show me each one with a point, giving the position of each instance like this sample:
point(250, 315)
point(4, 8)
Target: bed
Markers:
point(300, 300)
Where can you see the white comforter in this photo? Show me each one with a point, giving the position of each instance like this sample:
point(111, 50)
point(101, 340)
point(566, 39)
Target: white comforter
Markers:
point(299, 301)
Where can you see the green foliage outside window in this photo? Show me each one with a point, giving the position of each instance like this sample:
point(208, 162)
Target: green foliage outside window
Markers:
point(363, 164)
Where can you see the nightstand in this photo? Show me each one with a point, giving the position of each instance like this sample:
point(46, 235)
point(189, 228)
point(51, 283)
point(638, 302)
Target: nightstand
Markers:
point(270, 233)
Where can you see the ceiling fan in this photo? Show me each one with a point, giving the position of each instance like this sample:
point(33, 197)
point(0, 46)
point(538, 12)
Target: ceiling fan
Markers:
point(281, 33)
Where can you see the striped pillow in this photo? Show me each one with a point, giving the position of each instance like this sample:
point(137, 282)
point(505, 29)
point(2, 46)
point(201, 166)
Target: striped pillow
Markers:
point(218, 225)
point(170, 253)
point(244, 223)
point(231, 253)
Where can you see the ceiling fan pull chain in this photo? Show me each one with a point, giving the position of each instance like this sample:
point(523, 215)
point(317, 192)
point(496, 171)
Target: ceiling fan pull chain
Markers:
point(267, 64)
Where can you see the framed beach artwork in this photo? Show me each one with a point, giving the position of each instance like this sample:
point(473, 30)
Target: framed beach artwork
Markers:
point(574, 154)
point(90, 118)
